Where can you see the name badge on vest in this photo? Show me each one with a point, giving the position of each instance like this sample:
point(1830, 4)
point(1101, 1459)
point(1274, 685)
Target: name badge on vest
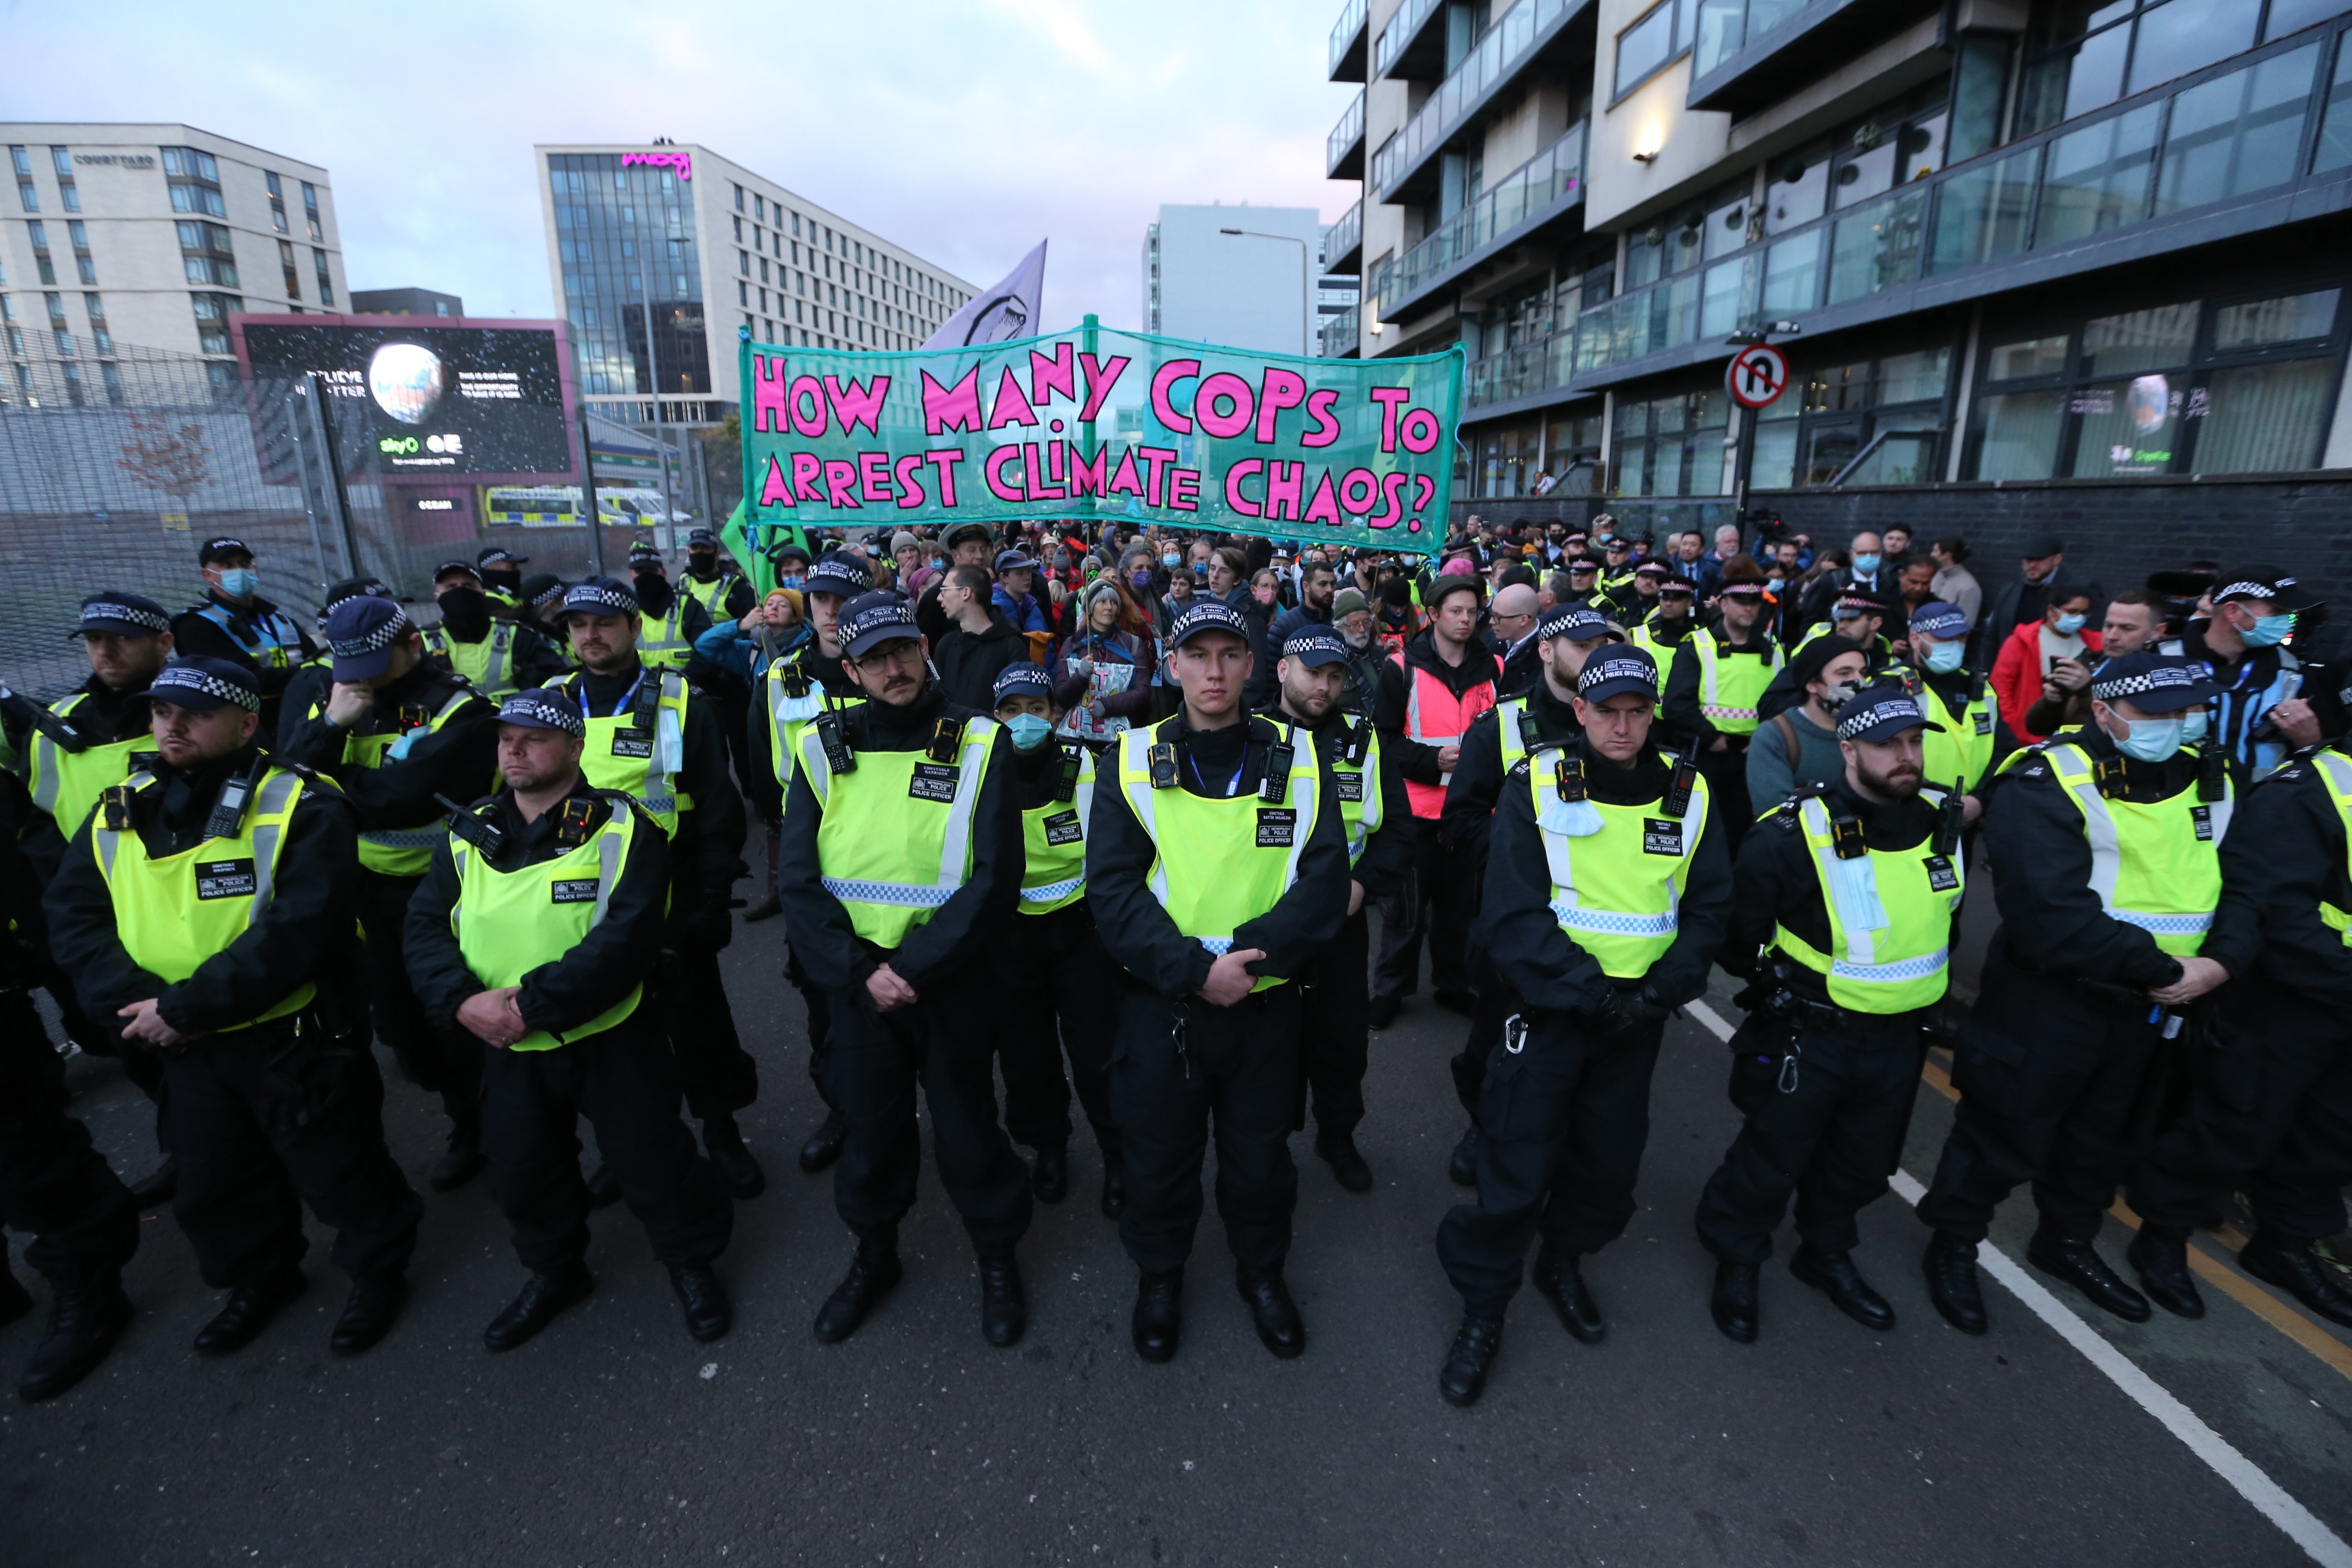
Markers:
point(933, 781)
point(1661, 836)
point(635, 743)
point(1278, 826)
point(226, 879)
point(1941, 878)
point(1351, 785)
point(1061, 827)
point(572, 891)
point(1984, 721)
point(2202, 816)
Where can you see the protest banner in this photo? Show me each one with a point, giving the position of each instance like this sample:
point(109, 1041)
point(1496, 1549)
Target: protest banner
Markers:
point(1095, 423)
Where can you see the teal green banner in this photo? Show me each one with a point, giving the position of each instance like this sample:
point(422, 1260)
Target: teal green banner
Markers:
point(1095, 423)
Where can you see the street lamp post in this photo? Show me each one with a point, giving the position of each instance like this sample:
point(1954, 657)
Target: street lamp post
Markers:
point(1287, 239)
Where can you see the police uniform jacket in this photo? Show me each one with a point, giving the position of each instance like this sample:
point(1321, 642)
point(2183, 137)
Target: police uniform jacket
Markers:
point(458, 759)
point(2283, 855)
point(1679, 706)
point(310, 919)
point(1776, 883)
point(105, 716)
point(1389, 853)
point(1477, 781)
point(196, 634)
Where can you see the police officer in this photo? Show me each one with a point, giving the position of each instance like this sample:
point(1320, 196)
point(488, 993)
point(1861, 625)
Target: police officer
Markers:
point(2104, 847)
point(200, 905)
point(1584, 585)
point(1607, 894)
point(1335, 1006)
point(496, 656)
point(234, 621)
point(1850, 891)
point(1054, 990)
point(901, 859)
point(2274, 1103)
point(396, 733)
point(1715, 687)
point(656, 739)
point(501, 575)
point(537, 930)
point(542, 611)
point(1218, 870)
point(1669, 624)
point(714, 581)
point(314, 678)
point(672, 619)
point(793, 692)
point(1971, 739)
point(1567, 635)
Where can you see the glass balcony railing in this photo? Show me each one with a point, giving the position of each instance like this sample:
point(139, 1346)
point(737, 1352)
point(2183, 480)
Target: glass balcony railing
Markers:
point(1728, 26)
point(2234, 134)
point(1340, 334)
point(1494, 57)
point(1552, 177)
point(1344, 136)
point(1345, 238)
point(1521, 371)
point(1399, 32)
point(1344, 31)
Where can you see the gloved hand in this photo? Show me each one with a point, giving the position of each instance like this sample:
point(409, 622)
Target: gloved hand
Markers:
point(1625, 1010)
point(702, 927)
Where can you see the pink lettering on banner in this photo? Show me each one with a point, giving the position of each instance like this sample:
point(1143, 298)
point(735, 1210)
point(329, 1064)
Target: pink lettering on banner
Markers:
point(945, 458)
point(1158, 458)
point(809, 417)
point(1038, 489)
point(1319, 409)
point(1388, 516)
point(1358, 489)
point(768, 383)
point(857, 403)
point(807, 469)
point(681, 162)
point(874, 476)
point(1184, 489)
point(773, 490)
point(1424, 489)
point(1283, 485)
point(840, 478)
point(1059, 374)
point(1245, 469)
point(992, 470)
point(1010, 407)
point(1324, 507)
point(1054, 450)
point(1127, 481)
point(908, 470)
point(1239, 404)
point(1166, 376)
point(1101, 376)
point(1389, 398)
point(953, 407)
point(1087, 473)
point(1282, 389)
point(1419, 431)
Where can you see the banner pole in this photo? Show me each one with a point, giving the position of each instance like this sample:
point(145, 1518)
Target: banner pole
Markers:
point(1091, 335)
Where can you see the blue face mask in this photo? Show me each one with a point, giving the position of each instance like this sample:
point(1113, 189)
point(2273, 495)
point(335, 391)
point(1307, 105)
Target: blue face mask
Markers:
point(1140, 579)
point(792, 581)
point(2268, 631)
point(1866, 564)
point(2193, 726)
point(1943, 657)
point(2067, 626)
point(1172, 561)
point(2152, 740)
point(1029, 731)
point(237, 582)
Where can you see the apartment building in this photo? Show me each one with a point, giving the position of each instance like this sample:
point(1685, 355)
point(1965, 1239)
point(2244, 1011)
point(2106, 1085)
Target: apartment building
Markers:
point(1245, 277)
point(694, 245)
point(2037, 265)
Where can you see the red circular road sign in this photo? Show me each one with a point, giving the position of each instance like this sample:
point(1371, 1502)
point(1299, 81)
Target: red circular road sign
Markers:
point(1757, 375)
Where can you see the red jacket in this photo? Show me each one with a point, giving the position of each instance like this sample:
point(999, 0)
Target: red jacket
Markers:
point(2017, 675)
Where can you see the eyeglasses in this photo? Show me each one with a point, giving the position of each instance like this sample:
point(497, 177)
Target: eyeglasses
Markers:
point(888, 655)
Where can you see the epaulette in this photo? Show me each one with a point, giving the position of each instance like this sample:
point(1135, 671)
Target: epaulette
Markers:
point(1521, 768)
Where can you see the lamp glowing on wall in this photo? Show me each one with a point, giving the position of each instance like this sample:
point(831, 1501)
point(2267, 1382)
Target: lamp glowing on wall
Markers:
point(1651, 142)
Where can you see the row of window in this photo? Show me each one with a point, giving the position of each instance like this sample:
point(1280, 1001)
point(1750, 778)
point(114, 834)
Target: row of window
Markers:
point(54, 306)
point(192, 175)
point(914, 285)
point(44, 265)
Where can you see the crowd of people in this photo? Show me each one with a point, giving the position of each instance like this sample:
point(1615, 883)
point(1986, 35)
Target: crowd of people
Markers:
point(1108, 809)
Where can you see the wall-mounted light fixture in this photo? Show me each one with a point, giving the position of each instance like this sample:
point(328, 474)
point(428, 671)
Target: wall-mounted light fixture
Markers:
point(1653, 141)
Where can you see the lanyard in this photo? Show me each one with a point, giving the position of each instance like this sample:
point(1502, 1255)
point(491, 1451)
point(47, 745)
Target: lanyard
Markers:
point(1232, 785)
point(619, 707)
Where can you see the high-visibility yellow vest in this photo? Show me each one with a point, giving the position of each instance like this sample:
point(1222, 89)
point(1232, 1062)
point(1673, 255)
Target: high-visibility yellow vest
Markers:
point(275, 642)
point(509, 923)
point(1646, 635)
point(1617, 872)
point(662, 642)
point(710, 596)
point(1220, 863)
point(621, 754)
point(896, 841)
point(2335, 772)
point(400, 851)
point(1731, 684)
point(66, 784)
point(487, 665)
point(173, 914)
point(1959, 755)
point(1890, 916)
point(1053, 837)
point(789, 714)
point(1357, 785)
point(2155, 865)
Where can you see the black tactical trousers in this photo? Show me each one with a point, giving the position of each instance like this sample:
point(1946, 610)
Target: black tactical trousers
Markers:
point(265, 1119)
point(1177, 1070)
point(718, 1074)
point(1565, 1120)
point(1335, 1027)
point(820, 1025)
point(625, 1083)
point(53, 1184)
point(1830, 1131)
point(1438, 900)
point(1497, 1002)
point(1056, 991)
point(446, 1062)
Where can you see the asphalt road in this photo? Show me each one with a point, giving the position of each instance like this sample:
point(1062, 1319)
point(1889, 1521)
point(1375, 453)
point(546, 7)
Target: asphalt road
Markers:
point(614, 1438)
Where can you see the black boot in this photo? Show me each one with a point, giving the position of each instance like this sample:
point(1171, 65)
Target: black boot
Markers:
point(544, 1296)
point(2161, 1260)
point(1159, 1321)
point(824, 1145)
point(871, 1274)
point(1337, 1150)
point(723, 1141)
point(708, 1313)
point(1950, 1265)
point(1835, 1276)
point(2075, 1263)
point(1464, 1164)
point(1276, 1315)
point(158, 1186)
point(368, 1313)
point(84, 1323)
point(2294, 1269)
point(463, 1161)
point(1384, 1011)
point(1049, 1177)
point(1734, 1303)
point(603, 1187)
point(1463, 1376)
point(14, 1300)
point(248, 1311)
point(1562, 1284)
point(1003, 1305)
point(1114, 1193)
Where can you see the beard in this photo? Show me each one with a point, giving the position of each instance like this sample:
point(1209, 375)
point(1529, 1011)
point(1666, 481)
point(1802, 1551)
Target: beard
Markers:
point(1900, 781)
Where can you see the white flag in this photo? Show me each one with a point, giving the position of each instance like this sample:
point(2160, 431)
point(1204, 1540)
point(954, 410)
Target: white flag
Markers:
point(1011, 309)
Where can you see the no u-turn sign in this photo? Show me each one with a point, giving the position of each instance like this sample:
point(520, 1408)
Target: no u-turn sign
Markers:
point(1757, 375)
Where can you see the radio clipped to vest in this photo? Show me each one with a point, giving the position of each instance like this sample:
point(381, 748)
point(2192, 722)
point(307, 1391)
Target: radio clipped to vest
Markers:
point(478, 831)
point(2213, 774)
point(1276, 786)
point(1067, 788)
point(1530, 732)
point(1950, 818)
point(228, 820)
point(839, 757)
point(1359, 744)
point(1678, 793)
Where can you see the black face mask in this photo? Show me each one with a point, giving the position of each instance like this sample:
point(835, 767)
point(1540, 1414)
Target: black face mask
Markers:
point(506, 578)
point(702, 564)
point(467, 613)
point(654, 593)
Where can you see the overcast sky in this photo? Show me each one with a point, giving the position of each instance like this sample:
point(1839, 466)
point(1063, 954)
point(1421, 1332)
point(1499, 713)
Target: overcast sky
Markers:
point(963, 130)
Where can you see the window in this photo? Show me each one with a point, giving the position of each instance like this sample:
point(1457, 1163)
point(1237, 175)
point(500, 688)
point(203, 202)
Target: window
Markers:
point(310, 215)
point(43, 264)
point(760, 208)
point(738, 198)
point(293, 276)
point(1643, 49)
point(1670, 445)
point(277, 202)
point(1887, 413)
point(739, 229)
point(95, 309)
point(2082, 54)
point(69, 194)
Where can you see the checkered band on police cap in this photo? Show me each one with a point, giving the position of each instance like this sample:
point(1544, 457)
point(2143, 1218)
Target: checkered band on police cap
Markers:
point(537, 711)
point(1211, 616)
point(376, 639)
point(1875, 711)
point(839, 574)
point(600, 596)
point(1620, 671)
point(189, 678)
point(871, 619)
point(122, 612)
point(2134, 677)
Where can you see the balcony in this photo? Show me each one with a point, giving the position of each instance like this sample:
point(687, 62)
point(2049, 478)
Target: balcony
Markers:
point(1412, 46)
point(1749, 52)
point(1348, 44)
point(2262, 140)
point(1402, 169)
point(1531, 368)
point(1343, 150)
point(1343, 243)
point(1531, 196)
point(1340, 334)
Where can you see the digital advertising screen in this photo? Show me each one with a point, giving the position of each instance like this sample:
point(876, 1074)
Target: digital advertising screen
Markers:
point(448, 401)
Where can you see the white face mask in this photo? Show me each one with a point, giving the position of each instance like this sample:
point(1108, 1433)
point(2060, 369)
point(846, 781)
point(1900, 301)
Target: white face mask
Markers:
point(1838, 694)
